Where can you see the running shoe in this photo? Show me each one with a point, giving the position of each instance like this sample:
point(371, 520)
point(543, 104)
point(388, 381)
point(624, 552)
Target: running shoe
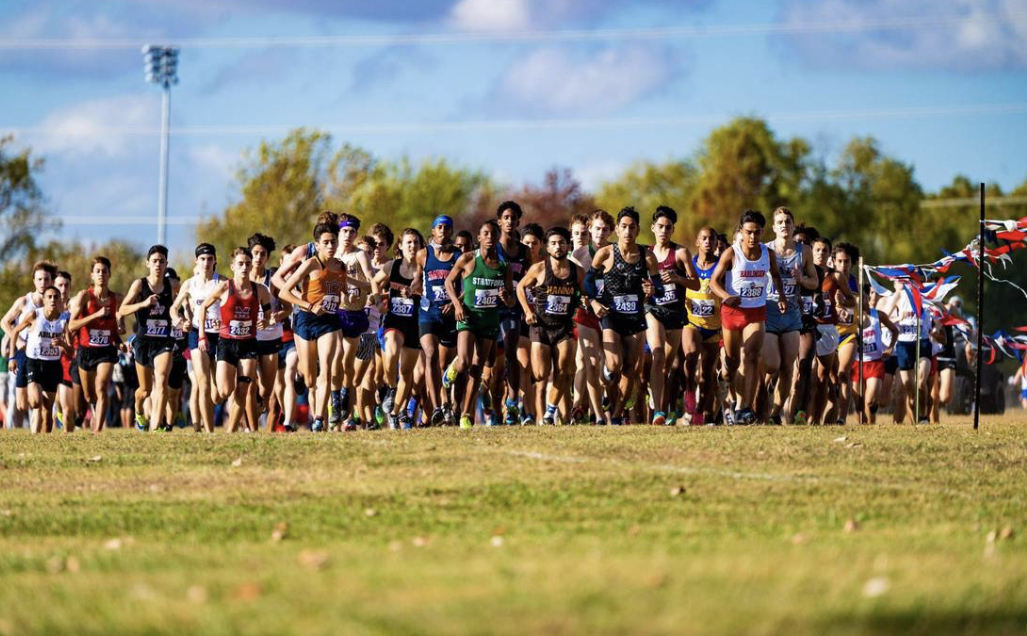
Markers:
point(729, 414)
point(335, 427)
point(485, 396)
point(578, 416)
point(775, 420)
point(448, 417)
point(548, 420)
point(334, 416)
point(745, 417)
point(449, 377)
point(527, 420)
point(660, 419)
point(379, 416)
point(180, 419)
point(290, 427)
point(800, 418)
point(465, 422)
point(389, 403)
point(405, 423)
point(699, 419)
point(352, 424)
point(690, 403)
point(437, 416)
point(318, 426)
point(372, 426)
point(616, 421)
point(512, 413)
point(142, 423)
point(58, 419)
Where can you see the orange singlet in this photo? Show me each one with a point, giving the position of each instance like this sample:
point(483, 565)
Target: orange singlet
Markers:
point(328, 286)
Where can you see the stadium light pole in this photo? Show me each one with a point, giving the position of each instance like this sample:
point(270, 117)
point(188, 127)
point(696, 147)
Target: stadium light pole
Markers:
point(162, 69)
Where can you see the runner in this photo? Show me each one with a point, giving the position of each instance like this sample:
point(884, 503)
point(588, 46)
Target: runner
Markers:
point(515, 347)
point(666, 314)
point(590, 353)
point(285, 383)
point(93, 317)
point(43, 275)
point(402, 279)
point(744, 269)
point(809, 298)
point(630, 274)
point(241, 302)
point(874, 353)
point(845, 255)
point(557, 283)
point(912, 371)
point(781, 341)
point(486, 283)
point(701, 336)
point(149, 299)
point(352, 316)
point(436, 322)
point(68, 390)
point(46, 327)
point(192, 296)
point(269, 338)
point(179, 366)
point(323, 280)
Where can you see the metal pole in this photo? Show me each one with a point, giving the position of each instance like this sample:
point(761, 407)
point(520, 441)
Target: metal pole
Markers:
point(165, 125)
point(980, 315)
point(859, 347)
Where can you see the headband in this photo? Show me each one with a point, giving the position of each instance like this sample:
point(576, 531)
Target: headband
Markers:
point(440, 220)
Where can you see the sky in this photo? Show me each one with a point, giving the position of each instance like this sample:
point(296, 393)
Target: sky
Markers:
point(510, 87)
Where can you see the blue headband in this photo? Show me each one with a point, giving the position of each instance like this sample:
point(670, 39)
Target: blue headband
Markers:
point(439, 220)
point(351, 222)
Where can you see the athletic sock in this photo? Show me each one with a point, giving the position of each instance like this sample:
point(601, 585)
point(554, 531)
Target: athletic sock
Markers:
point(336, 398)
point(550, 410)
point(344, 399)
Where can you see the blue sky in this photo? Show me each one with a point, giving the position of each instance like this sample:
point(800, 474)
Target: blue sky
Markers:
point(597, 86)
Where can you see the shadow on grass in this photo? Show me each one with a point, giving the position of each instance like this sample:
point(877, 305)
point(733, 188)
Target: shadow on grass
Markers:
point(911, 622)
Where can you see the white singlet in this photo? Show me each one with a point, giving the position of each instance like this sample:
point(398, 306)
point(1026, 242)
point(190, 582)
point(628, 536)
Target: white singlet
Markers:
point(199, 293)
point(748, 279)
point(42, 332)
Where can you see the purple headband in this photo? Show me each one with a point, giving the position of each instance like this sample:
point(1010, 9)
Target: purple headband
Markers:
point(350, 222)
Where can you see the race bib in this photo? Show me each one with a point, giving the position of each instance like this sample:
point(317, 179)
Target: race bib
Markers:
point(486, 298)
point(600, 286)
point(844, 316)
point(330, 303)
point(177, 333)
point(751, 291)
point(156, 328)
point(403, 307)
point(670, 295)
point(626, 303)
point(869, 343)
point(439, 294)
point(789, 288)
point(211, 324)
point(558, 305)
point(907, 330)
point(807, 305)
point(703, 308)
point(99, 337)
point(240, 328)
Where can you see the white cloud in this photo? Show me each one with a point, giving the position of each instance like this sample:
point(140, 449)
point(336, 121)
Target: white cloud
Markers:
point(988, 34)
point(593, 175)
point(106, 127)
point(491, 15)
point(550, 80)
point(215, 161)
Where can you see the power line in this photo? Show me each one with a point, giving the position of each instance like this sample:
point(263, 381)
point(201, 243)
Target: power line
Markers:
point(526, 124)
point(571, 35)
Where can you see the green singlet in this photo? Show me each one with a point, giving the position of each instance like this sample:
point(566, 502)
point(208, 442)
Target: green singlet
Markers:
point(481, 298)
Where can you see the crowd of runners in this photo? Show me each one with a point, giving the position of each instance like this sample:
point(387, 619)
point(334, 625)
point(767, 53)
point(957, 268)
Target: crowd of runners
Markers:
point(497, 325)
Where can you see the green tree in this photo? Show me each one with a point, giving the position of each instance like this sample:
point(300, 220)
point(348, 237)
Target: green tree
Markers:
point(22, 215)
point(648, 186)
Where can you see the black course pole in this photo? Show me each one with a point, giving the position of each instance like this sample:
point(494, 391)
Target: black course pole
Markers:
point(980, 316)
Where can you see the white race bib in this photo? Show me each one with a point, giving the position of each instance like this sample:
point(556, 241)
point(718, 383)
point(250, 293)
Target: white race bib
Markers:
point(702, 308)
point(156, 328)
point(486, 298)
point(211, 324)
point(558, 305)
point(99, 337)
point(751, 291)
point(670, 295)
point(626, 303)
point(239, 328)
point(330, 303)
point(401, 306)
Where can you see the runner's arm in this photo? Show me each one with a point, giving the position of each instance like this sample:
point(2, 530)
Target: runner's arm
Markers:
point(294, 259)
point(530, 278)
point(723, 265)
point(809, 279)
point(286, 290)
point(127, 308)
point(181, 297)
point(691, 276)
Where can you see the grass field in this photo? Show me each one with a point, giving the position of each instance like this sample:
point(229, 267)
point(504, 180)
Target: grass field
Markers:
point(767, 530)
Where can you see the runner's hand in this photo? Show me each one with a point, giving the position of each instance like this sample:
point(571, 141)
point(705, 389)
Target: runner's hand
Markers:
point(447, 309)
point(782, 305)
point(529, 317)
point(731, 301)
point(317, 308)
point(261, 324)
point(647, 287)
point(460, 311)
point(599, 309)
point(152, 300)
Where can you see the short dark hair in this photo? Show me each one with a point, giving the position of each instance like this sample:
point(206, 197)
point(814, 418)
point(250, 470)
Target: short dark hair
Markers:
point(171, 274)
point(665, 212)
point(53, 287)
point(157, 249)
point(263, 240)
point(465, 234)
point(534, 229)
point(559, 231)
point(629, 212)
point(416, 234)
point(493, 224)
point(324, 228)
point(822, 239)
point(509, 205)
point(103, 260)
point(848, 248)
point(808, 231)
point(380, 230)
point(753, 216)
point(64, 274)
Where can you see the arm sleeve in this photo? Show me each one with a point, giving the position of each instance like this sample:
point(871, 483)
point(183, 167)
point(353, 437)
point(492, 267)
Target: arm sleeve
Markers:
point(591, 291)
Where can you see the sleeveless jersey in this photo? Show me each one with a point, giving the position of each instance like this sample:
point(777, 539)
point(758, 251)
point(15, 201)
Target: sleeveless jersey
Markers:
point(808, 297)
point(785, 265)
point(556, 299)
point(434, 279)
point(102, 332)
point(907, 320)
point(623, 282)
point(199, 293)
point(328, 286)
point(29, 307)
point(154, 322)
point(825, 310)
point(238, 315)
point(873, 339)
point(517, 265)
point(847, 315)
point(672, 301)
point(400, 306)
point(277, 330)
point(355, 298)
point(481, 288)
point(703, 304)
point(41, 334)
point(748, 279)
